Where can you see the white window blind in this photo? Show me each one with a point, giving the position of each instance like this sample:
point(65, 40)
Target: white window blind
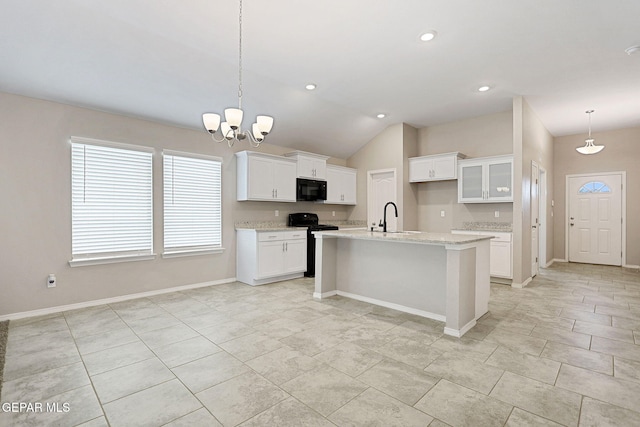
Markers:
point(112, 202)
point(192, 202)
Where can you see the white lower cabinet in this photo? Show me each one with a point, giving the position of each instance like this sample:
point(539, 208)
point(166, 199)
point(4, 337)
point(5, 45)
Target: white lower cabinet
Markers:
point(270, 256)
point(500, 252)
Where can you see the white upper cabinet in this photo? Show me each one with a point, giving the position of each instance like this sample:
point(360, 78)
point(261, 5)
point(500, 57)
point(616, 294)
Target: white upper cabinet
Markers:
point(341, 185)
point(264, 177)
point(310, 165)
point(485, 180)
point(437, 167)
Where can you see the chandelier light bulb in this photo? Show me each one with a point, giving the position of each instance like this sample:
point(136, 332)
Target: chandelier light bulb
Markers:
point(231, 128)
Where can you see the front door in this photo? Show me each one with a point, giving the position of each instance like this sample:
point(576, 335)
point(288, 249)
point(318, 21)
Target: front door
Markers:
point(595, 219)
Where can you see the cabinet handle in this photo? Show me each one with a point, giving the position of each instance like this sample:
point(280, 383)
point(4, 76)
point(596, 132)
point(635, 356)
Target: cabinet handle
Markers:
point(276, 193)
point(273, 193)
point(286, 246)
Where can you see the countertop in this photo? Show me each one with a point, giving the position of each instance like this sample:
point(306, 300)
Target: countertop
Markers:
point(266, 226)
point(405, 236)
point(281, 226)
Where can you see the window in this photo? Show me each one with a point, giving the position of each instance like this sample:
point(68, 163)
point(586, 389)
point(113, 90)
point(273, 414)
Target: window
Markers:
point(594, 187)
point(111, 202)
point(192, 204)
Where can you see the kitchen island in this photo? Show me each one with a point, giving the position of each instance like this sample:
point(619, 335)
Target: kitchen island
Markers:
point(441, 276)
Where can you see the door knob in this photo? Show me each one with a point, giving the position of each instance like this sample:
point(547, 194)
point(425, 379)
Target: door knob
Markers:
point(571, 224)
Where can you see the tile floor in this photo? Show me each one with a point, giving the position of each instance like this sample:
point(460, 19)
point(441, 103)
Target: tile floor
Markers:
point(563, 351)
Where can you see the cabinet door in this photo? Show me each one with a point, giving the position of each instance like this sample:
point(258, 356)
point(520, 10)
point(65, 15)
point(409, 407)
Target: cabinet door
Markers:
point(260, 180)
point(284, 181)
point(319, 169)
point(444, 168)
point(349, 187)
point(470, 186)
point(270, 259)
point(499, 181)
point(295, 256)
point(334, 186)
point(500, 263)
point(420, 169)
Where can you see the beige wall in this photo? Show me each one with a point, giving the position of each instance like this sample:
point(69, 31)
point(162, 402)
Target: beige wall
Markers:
point(35, 219)
point(621, 153)
point(390, 149)
point(409, 191)
point(536, 144)
point(382, 152)
point(484, 136)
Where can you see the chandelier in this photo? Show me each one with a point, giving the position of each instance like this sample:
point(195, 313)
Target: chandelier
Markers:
point(589, 147)
point(230, 129)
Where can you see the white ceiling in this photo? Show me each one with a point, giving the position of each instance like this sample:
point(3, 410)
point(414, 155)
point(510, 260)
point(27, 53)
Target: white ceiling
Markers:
point(171, 60)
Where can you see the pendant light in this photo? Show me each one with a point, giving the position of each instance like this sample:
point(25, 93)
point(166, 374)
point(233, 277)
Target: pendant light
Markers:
point(231, 128)
point(589, 147)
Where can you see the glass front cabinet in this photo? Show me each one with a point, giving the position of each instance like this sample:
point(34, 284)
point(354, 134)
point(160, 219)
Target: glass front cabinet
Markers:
point(485, 180)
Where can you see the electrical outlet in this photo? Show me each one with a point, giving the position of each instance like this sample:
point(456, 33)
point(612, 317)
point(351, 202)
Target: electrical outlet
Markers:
point(277, 212)
point(442, 214)
point(51, 281)
point(496, 214)
point(333, 213)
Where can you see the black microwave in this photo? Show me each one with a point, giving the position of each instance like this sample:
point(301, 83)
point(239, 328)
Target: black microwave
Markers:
point(311, 190)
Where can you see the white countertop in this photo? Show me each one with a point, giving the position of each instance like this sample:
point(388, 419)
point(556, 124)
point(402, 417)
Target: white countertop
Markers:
point(405, 236)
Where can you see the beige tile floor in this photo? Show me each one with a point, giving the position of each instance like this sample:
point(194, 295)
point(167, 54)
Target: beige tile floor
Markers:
point(563, 351)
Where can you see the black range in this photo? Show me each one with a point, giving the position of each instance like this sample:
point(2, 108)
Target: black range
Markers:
point(309, 220)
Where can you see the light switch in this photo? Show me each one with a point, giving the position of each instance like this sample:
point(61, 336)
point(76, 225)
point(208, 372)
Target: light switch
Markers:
point(277, 212)
point(496, 214)
point(442, 214)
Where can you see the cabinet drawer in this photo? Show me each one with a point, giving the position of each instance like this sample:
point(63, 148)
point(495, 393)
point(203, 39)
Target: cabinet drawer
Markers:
point(293, 235)
point(270, 236)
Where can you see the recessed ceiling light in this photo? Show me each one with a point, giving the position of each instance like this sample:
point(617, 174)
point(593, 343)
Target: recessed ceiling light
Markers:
point(428, 36)
point(310, 86)
point(381, 116)
point(484, 88)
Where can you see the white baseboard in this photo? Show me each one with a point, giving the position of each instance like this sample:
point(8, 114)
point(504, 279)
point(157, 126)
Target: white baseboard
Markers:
point(318, 295)
point(391, 305)
point(558, 260)
point(60, 308)
point(631, 266)
point(521, 285)
point(458, 333)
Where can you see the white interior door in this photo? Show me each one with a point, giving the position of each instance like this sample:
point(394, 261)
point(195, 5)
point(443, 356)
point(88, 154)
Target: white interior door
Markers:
point(381, 189)
point(535, 222)
point(595, 219)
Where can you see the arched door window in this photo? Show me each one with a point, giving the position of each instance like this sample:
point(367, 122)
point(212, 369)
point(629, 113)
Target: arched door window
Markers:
point(594, 187)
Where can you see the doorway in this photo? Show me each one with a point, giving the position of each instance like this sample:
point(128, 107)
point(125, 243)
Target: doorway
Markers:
point(535, 218)
point(595, 218)
point(381, 188)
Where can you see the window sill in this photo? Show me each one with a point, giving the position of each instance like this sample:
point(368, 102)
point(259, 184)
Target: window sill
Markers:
point(192, 252)
point(81, 262)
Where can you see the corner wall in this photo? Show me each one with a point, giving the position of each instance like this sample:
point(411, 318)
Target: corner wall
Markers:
point(531, 142)
point(35, 183)
point(483, 136)
point(621, 153)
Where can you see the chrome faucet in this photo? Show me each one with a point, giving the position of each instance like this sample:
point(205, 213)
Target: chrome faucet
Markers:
point(384, 223)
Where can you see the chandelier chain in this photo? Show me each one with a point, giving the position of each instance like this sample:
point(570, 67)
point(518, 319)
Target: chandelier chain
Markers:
point(240, 59)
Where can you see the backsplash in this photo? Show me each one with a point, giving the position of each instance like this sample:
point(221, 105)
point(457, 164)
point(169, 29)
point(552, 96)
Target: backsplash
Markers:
point(486, 226)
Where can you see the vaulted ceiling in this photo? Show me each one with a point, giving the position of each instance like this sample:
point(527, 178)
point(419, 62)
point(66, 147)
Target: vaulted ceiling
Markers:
point(170, 61)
